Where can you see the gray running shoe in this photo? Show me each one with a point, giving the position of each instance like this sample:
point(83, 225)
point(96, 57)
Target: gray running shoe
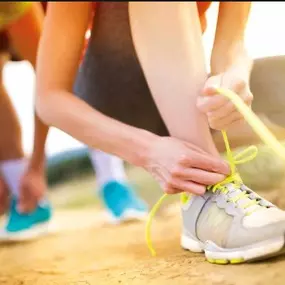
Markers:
point(232, 224)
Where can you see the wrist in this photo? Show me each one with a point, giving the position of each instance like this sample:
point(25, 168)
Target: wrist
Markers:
point(139, 148)
point(36, 165)
point(227, 56)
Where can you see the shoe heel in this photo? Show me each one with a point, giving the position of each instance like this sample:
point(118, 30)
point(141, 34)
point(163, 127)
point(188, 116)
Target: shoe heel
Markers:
point(191, 244)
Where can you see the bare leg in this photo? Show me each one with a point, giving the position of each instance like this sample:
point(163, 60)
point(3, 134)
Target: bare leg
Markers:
point(33, 184)
point(11, 138)
point(168, 41)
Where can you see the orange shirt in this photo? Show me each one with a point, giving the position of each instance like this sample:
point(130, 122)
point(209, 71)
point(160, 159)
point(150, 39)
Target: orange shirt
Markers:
point(202, 9)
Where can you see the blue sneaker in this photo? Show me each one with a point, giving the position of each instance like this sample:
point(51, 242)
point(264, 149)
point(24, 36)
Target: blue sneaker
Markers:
point(122, 202)
point(26, 226)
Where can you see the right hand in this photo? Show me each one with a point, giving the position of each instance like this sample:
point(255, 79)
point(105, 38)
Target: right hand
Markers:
point(179, 166)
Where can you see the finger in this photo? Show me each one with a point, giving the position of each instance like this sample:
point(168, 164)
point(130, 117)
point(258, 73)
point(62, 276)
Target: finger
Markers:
point(210, 90)
point(229, 107)
point(187, 186)
point(248, 98)
point(206, 162)
point(171, 191)
point(238, 86)
point(200, 176)
point(209, 104)
point(222, 123)
point(235, 124)
point(222, 112)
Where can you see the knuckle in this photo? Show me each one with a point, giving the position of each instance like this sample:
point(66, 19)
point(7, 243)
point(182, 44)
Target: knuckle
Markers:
point(184, 159)
point(236, 116)
point(168, 190)
point(214, 125)
point(241, 84)
point(249, 98)
point(176, 171)
point(169, 184)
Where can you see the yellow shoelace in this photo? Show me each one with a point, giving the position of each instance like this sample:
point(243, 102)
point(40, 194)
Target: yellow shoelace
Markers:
point(248, 154)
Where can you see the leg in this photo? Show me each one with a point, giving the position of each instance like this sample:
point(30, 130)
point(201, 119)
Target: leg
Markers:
point(11, 142)
point(223, 222)
point(177, 45)
point(10, 145)
point(117, 195)
point(13, 166)
point(108, 168)
point(11, 152)
point(24, 35)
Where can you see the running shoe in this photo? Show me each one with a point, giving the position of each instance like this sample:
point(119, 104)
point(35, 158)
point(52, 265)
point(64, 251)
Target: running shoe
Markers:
point(26, 226)
point(122, 203)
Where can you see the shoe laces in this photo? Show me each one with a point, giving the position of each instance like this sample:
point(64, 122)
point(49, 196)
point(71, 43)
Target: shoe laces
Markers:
point(233, 183)
point(233, 186)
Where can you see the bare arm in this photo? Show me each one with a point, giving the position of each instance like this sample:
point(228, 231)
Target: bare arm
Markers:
point(229, 46)
point(30, 26)
point(58, 59)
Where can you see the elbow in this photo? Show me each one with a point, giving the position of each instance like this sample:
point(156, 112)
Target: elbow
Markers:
point(44, 109)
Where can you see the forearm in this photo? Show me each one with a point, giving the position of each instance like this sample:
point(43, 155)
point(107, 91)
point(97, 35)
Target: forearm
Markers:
point(229, 45)
point(93, 128)
point(37, 160)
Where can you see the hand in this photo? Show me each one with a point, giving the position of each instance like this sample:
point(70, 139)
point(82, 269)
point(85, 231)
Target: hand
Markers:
point(182, 167)
point(221, 112)
point(33, 187)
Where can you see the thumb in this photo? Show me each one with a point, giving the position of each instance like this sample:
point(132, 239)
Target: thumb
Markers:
point(211, 85)
point(210, 90)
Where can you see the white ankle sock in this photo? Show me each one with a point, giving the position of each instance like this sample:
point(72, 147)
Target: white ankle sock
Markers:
point(108, 167)
point(12, 171)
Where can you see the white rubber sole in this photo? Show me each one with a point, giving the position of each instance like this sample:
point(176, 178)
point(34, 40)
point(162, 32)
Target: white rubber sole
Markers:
point(218, 255)
point(128, 216)
point(25, 235)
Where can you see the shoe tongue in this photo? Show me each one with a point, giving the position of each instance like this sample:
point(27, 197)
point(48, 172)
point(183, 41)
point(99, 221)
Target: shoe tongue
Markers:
point(235, 190)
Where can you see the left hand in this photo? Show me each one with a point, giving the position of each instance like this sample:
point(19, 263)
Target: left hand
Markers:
point(220, 111)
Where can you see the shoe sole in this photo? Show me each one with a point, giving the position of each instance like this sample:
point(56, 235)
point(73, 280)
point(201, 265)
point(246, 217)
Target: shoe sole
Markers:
point(217, 255)
point(128, 216)
point(25, 235)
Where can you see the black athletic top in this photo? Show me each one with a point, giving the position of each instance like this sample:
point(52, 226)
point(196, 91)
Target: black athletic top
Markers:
point(110, 77)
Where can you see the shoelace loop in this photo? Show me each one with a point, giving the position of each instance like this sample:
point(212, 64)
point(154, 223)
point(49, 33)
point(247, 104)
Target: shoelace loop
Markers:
point(242, 157)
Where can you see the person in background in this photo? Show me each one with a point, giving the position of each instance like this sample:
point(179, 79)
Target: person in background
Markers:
point(20, 30)
point(29, 211)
